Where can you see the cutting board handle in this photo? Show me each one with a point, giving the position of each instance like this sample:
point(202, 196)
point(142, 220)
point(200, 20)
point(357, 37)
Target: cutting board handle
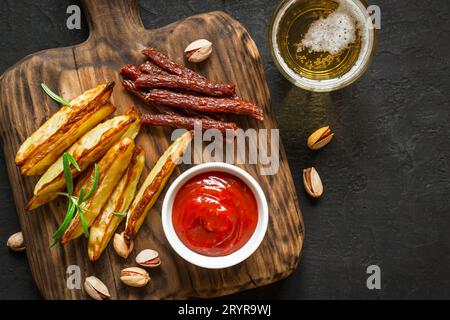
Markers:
point(112, 18)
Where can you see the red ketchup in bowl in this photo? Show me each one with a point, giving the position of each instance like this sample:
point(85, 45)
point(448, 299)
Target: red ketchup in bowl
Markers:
point(214, 214)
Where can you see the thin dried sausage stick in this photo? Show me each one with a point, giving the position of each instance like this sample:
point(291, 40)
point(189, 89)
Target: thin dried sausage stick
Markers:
point(148, 67)
point(129, 85)
point(130, 71)
point(154, 80)
point(205, 104)
point(163, 61)
point(186, 122)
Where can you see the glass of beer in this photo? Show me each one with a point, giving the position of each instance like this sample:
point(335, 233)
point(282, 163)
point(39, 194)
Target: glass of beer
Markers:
point(322, 45)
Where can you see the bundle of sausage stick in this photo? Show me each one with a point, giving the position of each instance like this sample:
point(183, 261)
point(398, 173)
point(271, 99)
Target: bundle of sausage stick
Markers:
point(182, 98)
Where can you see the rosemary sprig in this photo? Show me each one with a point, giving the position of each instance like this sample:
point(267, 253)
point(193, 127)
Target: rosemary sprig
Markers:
point(80, 212)
point(54, 96)
point(68, 172)
point(62, 228)
point(75, 203)
point(72, 160)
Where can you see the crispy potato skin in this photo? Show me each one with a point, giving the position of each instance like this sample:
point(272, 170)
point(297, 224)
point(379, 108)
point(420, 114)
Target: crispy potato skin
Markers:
point(106, 222)
point(111, 168)
point(88, 149)
point(153, 184)
point(33, 168)
point(63, 128)
point(37, 201)
point(133, 130)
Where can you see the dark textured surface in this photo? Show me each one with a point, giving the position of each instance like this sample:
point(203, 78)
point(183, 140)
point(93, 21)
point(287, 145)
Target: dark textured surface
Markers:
point(386, 173)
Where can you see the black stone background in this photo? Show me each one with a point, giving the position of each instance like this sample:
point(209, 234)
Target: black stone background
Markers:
point(386, 174)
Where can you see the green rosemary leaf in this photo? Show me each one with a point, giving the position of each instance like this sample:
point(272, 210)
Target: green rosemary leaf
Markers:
point(54, 242)
point(73, 161)
point(63, 227)
point(80, 211)
point(54, 96)
point(69, 215)
point(94, 183)
point(67, 173)
point(81, 198)
point(75, 203)
point(120, 214)
point(83, 223)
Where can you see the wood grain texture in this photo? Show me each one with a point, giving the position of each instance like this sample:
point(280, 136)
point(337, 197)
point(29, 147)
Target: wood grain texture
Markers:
point(116, 38)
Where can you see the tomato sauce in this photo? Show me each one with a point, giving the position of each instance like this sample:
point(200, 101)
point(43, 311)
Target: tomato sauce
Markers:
point(214, 214)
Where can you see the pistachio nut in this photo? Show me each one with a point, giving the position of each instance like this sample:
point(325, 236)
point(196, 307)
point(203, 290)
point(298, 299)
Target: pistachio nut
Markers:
point(134, 277)
point(199, 50)
point(96, 289)
point(122, 246)
point(15, 242)
point(148, 258)
point(320, 138)
point(312, 182)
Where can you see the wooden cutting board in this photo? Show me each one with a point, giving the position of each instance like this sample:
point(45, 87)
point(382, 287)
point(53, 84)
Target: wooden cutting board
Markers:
point(116, 38)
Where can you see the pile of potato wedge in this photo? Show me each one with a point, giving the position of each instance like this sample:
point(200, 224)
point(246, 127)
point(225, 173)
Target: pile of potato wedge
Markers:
point(88, 131)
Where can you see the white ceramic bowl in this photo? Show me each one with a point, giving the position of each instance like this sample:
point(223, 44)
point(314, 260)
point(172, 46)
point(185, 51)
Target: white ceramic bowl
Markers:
point(222, 261)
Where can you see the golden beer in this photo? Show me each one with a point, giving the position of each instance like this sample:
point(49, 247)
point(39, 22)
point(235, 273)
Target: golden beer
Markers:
point(322, 45)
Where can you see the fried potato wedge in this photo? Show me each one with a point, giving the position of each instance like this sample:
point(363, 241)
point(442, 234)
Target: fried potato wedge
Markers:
point(134, 128)
point(107, 221)
point(111, 169)
point(88, 149)
point(154, 183)
point(37, 201)
point(63, 128)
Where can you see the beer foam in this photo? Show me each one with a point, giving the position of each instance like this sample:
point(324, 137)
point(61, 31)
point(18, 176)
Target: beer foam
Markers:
point(332, 34)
